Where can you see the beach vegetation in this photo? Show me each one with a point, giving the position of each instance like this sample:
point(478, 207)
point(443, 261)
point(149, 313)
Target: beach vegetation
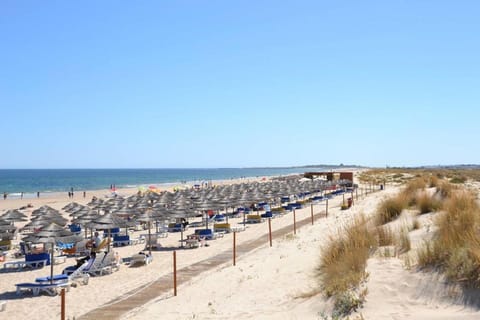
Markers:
point(343, 260)
point(458, 180)
point(385, 236)
point(455, 247)
point(389, 209)
point(445, 189)
point(434, 181)
point(426, 203)
point(403, 241)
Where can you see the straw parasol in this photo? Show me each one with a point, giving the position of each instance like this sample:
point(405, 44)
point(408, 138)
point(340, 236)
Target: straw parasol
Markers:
point(52, 233)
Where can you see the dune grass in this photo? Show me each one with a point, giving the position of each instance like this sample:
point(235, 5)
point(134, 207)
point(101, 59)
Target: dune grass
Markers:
point(426, 203)
point(445, 189)
point(344, 258)
point(403, 241)
point(385, 236)
point(389, 209)
point(455, 248)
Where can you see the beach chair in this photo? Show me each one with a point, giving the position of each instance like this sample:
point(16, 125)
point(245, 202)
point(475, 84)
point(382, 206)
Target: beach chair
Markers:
point(254, 218)
point(140, 259)
point(102, 246)
point(111, 260)
point(98, 267)
point(77, 274)
point(31, 261)
point(175, 227)
point(80, 249)
point(222, 227)
point(206, 234)
point(192, 243)
point(37, 288)
point(5, 245)
point(152, 242)
point(121, 240)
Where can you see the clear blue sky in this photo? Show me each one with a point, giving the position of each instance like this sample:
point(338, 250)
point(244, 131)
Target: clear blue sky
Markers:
point(131, 84)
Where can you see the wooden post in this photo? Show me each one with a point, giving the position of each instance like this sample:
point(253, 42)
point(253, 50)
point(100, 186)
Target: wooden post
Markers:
point(326, 209)
point(175, 273)
point(352, 200)
point(270, 230)
point(62, 303)
point(356, 193)
point(234, 247)
point(311, 211)
point(294, 223)
point(343, 198)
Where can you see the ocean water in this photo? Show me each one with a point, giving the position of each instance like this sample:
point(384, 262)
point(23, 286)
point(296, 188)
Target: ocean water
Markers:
point(31, 181)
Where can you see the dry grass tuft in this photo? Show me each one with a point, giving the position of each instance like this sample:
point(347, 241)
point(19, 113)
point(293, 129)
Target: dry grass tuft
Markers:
point(385, 236)
point(455, 248)
point(434, 181)
point(344, 258)
point(445, 189)
point(426, 203)
point(390, 209)
point(403, 241)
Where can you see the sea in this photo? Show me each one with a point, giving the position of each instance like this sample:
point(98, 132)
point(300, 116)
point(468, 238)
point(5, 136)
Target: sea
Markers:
point(30, 181)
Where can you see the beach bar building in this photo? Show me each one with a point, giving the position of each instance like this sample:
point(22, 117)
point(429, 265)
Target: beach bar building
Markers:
point(330, 175)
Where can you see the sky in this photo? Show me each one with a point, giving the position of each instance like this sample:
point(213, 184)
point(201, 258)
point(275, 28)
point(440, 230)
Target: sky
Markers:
point(207, 84)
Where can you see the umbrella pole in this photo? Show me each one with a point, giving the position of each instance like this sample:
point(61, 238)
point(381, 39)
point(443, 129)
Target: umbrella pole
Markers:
point(108, 240)
point(149, 239)
point(51, 264)
point(181, 236)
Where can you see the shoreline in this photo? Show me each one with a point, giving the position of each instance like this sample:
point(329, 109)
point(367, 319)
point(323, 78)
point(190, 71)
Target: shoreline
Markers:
point(62, 197)
point(166, 185)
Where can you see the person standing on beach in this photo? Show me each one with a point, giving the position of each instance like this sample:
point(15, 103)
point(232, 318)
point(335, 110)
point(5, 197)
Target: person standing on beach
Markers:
point(38, 194)
point(4, 196)
point(21, 195)
point(84, 194)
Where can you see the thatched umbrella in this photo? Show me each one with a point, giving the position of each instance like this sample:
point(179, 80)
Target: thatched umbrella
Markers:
point(13, 216)
point(147, 216)
point(52, 233)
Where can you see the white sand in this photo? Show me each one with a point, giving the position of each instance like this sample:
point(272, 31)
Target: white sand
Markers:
point(265, 283)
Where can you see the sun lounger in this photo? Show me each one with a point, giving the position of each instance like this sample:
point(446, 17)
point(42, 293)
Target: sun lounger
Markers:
point(121, 240)
point(175, 227)
point(207, 234)
point(5, 245)
point(222, 227)
point(237, 228)
point(192, 243)
point(103, 245)
point(152, 241)
point(37, 288)
point(254, 218)
point(140, 258)
point(95, 266)
point(20, 265)
point(78, 274)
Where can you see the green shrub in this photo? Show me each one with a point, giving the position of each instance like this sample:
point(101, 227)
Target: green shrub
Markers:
point(458, 180)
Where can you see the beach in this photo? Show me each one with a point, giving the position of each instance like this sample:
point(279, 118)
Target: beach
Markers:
point(275, 282)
